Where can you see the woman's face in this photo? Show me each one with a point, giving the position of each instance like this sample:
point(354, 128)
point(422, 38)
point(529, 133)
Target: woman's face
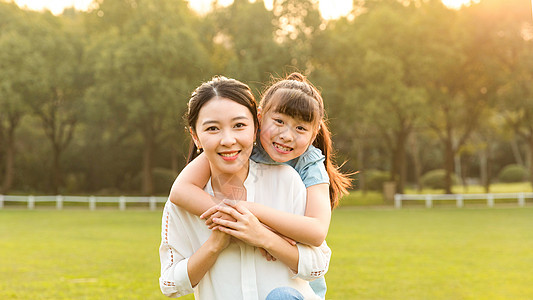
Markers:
point(225, 131)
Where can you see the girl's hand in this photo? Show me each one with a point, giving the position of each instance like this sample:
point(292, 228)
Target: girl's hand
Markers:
point(267, 255)
point(214, 212)
point(246, 226)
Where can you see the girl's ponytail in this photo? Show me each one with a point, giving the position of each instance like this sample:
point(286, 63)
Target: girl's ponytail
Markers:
point(296, 76)
point(338, 181)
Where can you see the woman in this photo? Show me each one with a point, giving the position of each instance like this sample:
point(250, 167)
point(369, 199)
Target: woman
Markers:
point(222, 119)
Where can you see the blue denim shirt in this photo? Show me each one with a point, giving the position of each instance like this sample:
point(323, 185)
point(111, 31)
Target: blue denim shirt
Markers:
point(310, 165)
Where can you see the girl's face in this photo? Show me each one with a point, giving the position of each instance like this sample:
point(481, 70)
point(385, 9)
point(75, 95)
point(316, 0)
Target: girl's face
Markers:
point(284, 137)
point(225, 130)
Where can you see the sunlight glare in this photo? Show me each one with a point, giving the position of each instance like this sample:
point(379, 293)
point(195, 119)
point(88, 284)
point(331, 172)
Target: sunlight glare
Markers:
point(335, 9)
point(456, 4)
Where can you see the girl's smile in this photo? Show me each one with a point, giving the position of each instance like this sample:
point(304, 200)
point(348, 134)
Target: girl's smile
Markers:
point(282, 148)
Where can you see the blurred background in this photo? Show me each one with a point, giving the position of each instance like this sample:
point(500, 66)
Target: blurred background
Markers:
point(422, 93)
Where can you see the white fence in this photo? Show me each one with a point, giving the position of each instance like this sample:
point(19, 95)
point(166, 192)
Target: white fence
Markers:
point(460, 198)
point(92, 201)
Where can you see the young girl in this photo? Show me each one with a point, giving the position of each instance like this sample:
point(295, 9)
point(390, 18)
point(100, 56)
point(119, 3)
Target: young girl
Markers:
point(293, 131)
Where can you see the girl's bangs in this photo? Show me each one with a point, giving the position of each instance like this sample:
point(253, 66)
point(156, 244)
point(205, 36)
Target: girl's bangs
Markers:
point(295, 104)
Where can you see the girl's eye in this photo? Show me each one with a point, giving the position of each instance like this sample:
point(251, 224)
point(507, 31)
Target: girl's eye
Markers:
point(240, 125)
point(301, 128)
point(278, 121)
point(211, 128)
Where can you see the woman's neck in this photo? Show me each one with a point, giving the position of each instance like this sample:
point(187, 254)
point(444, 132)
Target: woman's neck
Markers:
point(229, 186)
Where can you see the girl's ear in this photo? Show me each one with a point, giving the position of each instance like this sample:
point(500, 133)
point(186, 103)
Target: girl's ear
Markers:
point(195, 139)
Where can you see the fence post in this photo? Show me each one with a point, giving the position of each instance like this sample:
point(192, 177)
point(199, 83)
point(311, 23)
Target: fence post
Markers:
point(152, 203)
point(521, 200)
point(31, 202)
point(59, 202)
point(1, 201)
point(459, 200)
point(490, 200)
point(92, 203)
point(122, 203)
point(428, 201)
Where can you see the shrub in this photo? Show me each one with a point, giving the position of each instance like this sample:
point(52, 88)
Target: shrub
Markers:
point(513, 173)
point(435, 179)
point(375, 179)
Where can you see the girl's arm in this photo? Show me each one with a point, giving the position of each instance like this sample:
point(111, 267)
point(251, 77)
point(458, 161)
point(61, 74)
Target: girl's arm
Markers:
point(187, 191)
point(305, 261)
point(310, 229)
point(248, 229)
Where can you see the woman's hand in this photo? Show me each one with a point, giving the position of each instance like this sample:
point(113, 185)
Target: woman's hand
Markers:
point(218, 240)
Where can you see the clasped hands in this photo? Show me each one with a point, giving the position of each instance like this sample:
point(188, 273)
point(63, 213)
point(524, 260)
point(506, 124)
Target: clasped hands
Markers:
point(233, 218)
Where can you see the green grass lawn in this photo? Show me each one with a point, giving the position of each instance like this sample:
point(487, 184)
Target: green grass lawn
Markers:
point(377, 254)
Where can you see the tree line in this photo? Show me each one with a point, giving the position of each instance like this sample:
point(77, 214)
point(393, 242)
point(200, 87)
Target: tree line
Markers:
point(92, 102)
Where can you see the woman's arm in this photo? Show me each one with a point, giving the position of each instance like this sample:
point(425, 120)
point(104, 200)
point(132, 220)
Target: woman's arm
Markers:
point(181, 267)
point(205, 257)
point(310, 229)
point(187, 191)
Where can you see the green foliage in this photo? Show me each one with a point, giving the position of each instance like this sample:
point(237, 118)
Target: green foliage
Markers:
point(98, 96)
point(375, 179)
point(435, 179)
point(513, 173)
point(163, 179)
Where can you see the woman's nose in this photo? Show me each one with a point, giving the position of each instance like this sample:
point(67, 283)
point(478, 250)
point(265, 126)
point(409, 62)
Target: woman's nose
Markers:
point(228, 139)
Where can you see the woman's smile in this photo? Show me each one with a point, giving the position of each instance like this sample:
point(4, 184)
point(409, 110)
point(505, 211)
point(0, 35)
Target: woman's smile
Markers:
point(229, 155)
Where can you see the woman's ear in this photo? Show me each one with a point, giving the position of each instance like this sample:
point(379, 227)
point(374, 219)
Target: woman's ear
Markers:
point(195, 139)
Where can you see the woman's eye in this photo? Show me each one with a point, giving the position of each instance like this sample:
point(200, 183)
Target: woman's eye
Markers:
point(211, 128)
point(240, 125)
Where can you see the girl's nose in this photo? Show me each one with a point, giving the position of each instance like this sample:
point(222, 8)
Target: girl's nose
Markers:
point(286, 135)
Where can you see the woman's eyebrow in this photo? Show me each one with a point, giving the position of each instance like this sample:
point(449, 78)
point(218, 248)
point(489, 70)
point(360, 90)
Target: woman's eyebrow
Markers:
point(233, 119)
point(210, 122)
point(240, 118)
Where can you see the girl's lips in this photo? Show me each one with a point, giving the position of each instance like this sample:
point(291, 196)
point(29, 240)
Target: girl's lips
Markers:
point(281, 148)
point(229, 155)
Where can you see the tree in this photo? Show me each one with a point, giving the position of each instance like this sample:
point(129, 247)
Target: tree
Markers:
point(144, 70)
point(18, 64)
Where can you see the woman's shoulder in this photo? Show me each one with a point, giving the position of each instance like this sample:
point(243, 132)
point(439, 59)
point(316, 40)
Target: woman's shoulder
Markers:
point(281, 171)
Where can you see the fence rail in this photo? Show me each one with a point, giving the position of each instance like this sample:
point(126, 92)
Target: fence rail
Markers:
point(92, 201)
point(460, 198)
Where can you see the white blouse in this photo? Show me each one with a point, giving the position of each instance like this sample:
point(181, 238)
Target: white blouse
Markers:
point(240, 271)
